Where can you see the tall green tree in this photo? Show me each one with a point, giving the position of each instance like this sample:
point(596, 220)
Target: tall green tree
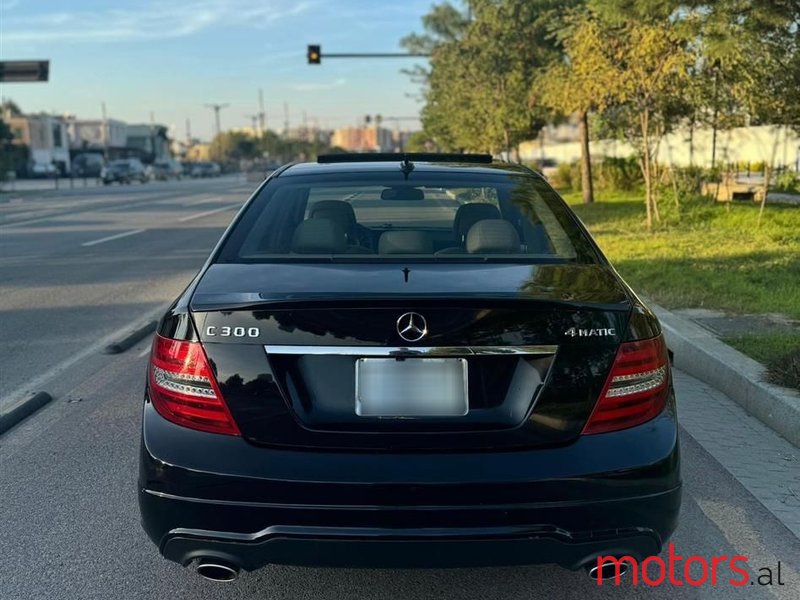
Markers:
point(444, 24)
point(753, 48)
point(478, 87)
point(642, 68)
point(570, 84)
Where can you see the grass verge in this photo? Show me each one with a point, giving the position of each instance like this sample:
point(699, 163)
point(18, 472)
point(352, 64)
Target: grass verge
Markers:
point(704, 256)
point(708, 255)
point(779, 352)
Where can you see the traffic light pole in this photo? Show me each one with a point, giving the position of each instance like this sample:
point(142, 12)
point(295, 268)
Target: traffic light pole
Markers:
point(315, 56)
point(373, 55)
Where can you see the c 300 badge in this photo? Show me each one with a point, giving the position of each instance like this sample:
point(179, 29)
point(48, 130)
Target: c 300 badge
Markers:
point(214, 331)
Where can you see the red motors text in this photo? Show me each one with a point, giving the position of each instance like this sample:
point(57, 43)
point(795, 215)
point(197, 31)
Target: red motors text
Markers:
point(691, 570)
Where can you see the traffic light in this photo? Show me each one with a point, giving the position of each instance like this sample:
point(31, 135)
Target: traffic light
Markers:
point(314, 54)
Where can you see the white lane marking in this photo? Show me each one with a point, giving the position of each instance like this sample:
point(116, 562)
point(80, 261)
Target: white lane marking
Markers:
point(204, 199)
point(206, 213)
point(144, 352)
point(28, 222)
point(113, 237)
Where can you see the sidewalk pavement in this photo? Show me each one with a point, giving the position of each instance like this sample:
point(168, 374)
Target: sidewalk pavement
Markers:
point(700, 354)
point(46, 185)
point(763, 462)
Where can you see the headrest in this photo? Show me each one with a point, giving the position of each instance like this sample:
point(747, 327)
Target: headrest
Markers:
point(405, 242)
point(337, 211)
point(492, 236)
point(469, 214)
point(319, 236)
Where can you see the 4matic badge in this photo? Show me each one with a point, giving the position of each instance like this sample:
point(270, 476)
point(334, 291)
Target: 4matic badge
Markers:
point(575, 332)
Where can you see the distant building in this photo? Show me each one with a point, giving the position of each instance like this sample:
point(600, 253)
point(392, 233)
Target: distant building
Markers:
point(46, 137)
point(148, 142)
point(309, 134)
point(364, 139)
point(197, 152)
point(180, 148)
point(97, 134)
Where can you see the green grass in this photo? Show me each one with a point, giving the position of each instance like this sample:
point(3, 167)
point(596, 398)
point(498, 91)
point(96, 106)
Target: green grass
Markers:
point(709, 255)
point(705, 256)
point(780, 352)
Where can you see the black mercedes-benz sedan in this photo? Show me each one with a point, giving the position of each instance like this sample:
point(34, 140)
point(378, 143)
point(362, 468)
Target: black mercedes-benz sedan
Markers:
point(407, 361)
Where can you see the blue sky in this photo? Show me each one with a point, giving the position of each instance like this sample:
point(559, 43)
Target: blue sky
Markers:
point(172, 56)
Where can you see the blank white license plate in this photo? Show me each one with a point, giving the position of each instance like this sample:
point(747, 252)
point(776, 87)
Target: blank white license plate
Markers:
point(414, 387)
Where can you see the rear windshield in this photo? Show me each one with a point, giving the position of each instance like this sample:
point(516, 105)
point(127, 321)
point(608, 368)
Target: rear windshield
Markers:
point(427, 217)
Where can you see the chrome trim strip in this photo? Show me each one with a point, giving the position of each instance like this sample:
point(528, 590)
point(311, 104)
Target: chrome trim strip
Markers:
point(389, 351)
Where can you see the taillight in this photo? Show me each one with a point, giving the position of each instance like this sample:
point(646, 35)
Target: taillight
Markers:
point(636, 389)
point(183, 389)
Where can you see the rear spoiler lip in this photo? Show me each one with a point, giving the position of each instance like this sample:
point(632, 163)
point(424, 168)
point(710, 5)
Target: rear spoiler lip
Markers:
point(253, 301)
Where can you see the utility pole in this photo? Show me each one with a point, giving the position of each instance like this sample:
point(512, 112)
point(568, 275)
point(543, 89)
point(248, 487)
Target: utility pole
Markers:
point(216, 108)
point(188, 130)
point(285, 119)
point(105, 130)
point(253, 123)
point(262, 114)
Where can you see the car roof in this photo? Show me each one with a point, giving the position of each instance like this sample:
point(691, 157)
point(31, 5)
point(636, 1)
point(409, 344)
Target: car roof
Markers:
point(390, 166)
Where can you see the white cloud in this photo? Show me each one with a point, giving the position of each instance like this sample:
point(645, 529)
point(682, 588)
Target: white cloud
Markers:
point(316, 87)
point(158, 20)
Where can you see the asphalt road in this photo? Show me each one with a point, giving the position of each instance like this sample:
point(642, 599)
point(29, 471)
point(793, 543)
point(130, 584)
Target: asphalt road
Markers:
point(68, 517)
point(80, 264)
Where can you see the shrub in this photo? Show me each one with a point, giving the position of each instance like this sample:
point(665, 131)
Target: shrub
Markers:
point(618, 174)
point(567, 176)
point(689, 180)
point(788, 181)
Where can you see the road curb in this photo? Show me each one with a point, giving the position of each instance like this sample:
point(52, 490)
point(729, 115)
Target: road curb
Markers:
point(703, 356)
point(131, 339)
point(21, 409)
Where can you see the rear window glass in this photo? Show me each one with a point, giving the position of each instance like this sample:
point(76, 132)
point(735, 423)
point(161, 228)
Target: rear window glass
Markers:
point(427, 217)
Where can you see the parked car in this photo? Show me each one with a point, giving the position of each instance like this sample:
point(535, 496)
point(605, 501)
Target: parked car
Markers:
point(125, 170)
point(42, 170)
point(206, 169)
point(88, 164)
point(407, 362)
point(165, 170)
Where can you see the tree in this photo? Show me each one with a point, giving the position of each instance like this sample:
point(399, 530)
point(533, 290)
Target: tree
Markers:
point(231, 146)
point(570, 85)
point(419, 141)
point(443, 24)
point(754, 47)
point(478, 87)
point(11, 107)
point(13, 157)
point(643, 67)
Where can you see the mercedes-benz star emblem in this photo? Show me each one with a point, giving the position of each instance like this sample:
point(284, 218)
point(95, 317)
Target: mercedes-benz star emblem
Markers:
point(412, 327)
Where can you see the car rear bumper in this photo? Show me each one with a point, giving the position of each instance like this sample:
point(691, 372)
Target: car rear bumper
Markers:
point(215, 496)
point(341, 546)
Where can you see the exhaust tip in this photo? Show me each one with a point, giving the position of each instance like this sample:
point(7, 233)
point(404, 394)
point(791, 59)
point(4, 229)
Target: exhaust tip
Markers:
point(217, 571)
point(607, 570)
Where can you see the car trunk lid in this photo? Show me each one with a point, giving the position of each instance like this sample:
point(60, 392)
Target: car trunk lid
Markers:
point(284, 341)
